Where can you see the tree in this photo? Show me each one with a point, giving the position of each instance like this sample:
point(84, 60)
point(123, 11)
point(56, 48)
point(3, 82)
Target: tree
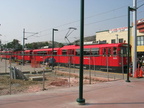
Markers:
point(61, 45)
point(14, 45)
point(36, 45)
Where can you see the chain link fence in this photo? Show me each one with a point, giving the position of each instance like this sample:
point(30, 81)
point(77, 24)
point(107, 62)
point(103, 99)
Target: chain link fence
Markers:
point(16, 78)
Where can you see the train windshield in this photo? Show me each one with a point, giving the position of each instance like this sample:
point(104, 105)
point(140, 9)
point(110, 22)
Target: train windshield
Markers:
point(124, 51)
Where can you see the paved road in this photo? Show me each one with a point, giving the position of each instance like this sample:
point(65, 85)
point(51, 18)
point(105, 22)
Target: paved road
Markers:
point(115, 94)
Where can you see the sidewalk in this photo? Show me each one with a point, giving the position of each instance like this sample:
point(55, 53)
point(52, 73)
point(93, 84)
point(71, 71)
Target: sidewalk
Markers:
point(115, 94)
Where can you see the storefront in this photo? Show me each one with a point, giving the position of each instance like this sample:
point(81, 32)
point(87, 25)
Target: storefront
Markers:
point(119, 35)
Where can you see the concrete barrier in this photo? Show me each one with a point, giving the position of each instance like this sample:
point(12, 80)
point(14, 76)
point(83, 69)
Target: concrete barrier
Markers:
point(36, 78)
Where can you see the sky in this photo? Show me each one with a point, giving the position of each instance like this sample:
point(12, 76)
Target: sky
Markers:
point(41, 16)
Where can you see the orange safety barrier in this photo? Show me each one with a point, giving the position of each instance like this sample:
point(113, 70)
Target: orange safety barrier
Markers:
point(138, 73)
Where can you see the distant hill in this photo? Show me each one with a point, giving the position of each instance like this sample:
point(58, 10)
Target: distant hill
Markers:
point(90, 38)
point(48, 44)
point(86, 39)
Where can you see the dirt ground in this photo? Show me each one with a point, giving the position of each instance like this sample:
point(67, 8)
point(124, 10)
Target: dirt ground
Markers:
point(52, 81)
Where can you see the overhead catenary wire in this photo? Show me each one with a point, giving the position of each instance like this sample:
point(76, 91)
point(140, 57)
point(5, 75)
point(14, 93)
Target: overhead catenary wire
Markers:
point(106, 12)
point(140, 5)
point(100, 21)
point(42, 32)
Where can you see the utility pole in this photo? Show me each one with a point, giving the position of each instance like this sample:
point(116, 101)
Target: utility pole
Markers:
point(134, 36)
point(128, 54)
point(24, 38)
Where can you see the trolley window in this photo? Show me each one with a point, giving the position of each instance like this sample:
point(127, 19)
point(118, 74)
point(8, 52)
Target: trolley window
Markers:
point(109, 51)
point(124, 51)
point(104, 51)
point(21, 53)
point(41, 52)
point(64, 52)
point(77, 52)
point(55, 52)
point(27, 53)
point(95, 51)
point(49, 52)
point(86, 51)
point(114, 51)
point(71, 52)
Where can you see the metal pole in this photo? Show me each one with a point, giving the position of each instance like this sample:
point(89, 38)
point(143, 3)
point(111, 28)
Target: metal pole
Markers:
point(107, 67)
point(134, 36)
point(10, 76)
point(53, 47)
point(23, 46)
point(95, 66)
point(43, 80)
point(128, 44)
point(122, 63)
point(89, 71)
point(5, 66)
point(81, 100)
point(69, 69)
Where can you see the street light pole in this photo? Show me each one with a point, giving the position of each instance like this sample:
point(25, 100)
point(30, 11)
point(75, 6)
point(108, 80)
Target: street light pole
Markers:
point(81, 100)
point(53, 30)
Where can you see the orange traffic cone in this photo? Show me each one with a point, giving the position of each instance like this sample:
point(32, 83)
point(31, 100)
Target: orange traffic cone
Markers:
point(136, 74)
point(141, 73)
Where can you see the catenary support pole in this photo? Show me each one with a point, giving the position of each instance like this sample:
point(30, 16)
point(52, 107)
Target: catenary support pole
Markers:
point(23, 46)
point(128, 44)
point(53, 30)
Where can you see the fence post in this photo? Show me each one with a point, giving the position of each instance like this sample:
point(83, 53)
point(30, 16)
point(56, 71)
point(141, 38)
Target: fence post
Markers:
point(10, 75)
point(94, 67)
point(107, 66)
point(43, 80)
point(122, 65)
point(5, 65)
point(69, 69)
point(89, 71)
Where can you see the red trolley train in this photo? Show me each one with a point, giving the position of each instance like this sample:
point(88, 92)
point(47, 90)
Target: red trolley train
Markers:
point(111, 57)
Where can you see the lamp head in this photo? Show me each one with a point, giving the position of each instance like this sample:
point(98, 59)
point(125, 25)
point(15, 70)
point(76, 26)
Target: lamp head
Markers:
point(55, 29)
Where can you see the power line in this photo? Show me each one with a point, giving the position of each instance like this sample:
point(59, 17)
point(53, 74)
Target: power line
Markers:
point(140, 6)
point(107, 12)
point(112, 18)
point(86, 18)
